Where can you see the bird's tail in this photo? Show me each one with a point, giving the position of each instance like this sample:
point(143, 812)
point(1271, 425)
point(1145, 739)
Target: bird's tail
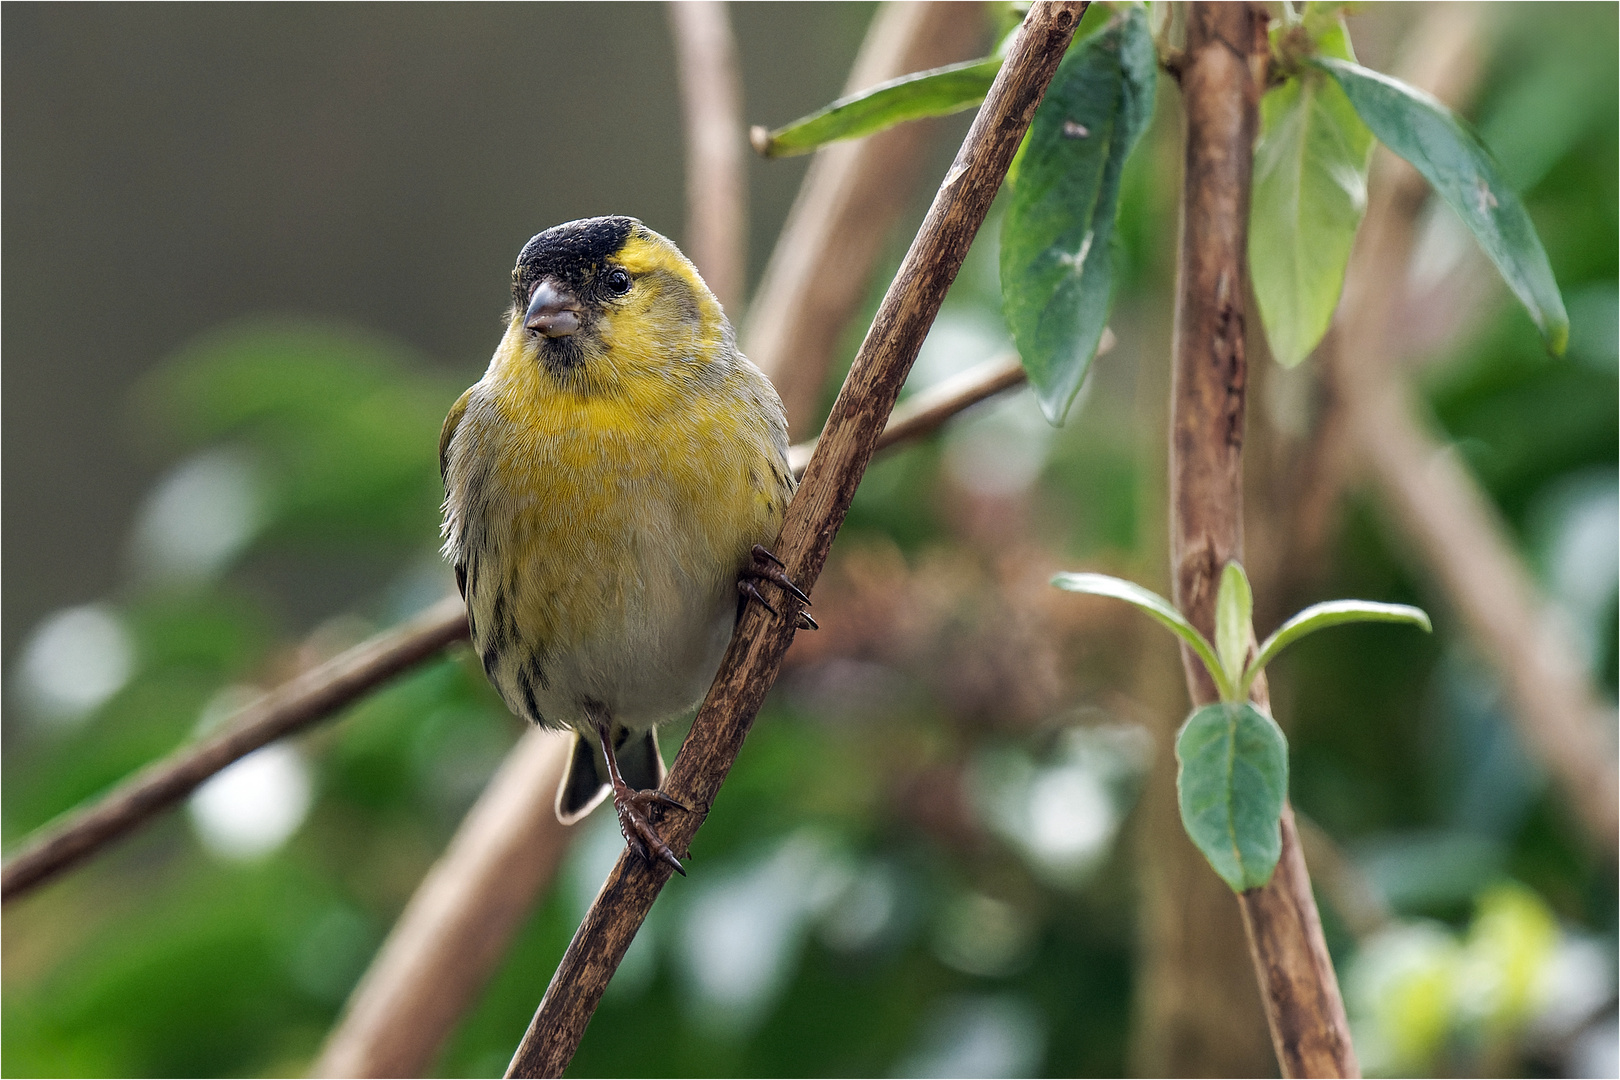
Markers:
point(586, 782)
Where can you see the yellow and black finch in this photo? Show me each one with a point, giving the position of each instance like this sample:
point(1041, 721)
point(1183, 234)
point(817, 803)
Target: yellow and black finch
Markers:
point(610, 486)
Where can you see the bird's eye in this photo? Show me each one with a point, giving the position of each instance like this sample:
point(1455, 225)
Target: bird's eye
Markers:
point(617, 281)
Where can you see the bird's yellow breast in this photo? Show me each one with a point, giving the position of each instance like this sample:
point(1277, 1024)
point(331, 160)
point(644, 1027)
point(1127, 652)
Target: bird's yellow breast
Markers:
point(603, 525)
point(588, 489)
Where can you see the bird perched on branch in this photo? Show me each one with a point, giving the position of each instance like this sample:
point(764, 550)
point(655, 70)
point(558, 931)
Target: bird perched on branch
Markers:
point(611, 484)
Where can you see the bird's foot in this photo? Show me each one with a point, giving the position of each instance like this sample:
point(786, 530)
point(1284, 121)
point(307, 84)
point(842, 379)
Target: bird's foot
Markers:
point(637, 811)
point(767, 567)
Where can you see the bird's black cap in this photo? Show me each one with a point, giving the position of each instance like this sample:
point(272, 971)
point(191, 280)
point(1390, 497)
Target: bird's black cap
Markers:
point(570, 252)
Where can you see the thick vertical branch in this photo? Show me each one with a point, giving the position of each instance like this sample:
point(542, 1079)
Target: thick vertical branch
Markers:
point(1222, 77)
point(751, 664)
point(716, 142)
point(851, 196)
point(457, 927)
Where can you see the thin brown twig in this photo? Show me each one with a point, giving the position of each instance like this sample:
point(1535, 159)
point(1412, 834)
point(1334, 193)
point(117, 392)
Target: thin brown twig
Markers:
point(817, 511)
point(928, 411)
point(1221, 81)
point(293, 705)
point(458, 924)
point(716, 163)
point(851, 197)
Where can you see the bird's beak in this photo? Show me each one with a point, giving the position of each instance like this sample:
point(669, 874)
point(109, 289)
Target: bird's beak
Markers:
point(553, 310)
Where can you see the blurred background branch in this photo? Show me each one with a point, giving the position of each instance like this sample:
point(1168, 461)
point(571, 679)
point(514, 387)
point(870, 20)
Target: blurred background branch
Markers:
point(851, 198)
point(1431, 497)
point(716, 141)
point(312, 696)
point(460, 921)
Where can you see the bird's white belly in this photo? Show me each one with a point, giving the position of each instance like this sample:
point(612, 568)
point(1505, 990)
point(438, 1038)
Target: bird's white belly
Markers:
point(631, 620)
point(651, 662)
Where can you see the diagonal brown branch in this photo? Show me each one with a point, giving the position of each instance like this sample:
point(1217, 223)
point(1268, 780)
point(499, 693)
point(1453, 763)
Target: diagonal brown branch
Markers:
point(851, 196)
point(1222, 77)
point(813, 520)
point(716, 163)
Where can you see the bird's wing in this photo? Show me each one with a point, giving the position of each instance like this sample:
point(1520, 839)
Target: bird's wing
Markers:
point(448, 432)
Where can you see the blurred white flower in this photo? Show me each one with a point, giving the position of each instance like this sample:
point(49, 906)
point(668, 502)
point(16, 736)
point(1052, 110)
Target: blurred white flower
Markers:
point(742, 930)
point(1577, 522)
point(254, 806)
point(865, 911)
point(1063, 814)
point(1401, 993)
point(74, 661)
point(1417, 992)
point(981, 935)
point(978, 1036)
point(199, 517)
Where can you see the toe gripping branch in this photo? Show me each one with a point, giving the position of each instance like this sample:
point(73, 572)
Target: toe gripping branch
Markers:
point(767, 567)
point(639, 811)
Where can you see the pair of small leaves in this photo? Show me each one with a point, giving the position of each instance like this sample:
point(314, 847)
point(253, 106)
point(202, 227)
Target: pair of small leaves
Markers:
point(1310, 181)
point(1232, 758)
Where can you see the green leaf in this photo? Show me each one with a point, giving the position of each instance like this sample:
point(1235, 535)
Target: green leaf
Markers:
point(1057, 273)
point(1234, 614)
point(1232, 778)
point(1331, 613)
point(1458, 167)
point(937, 92)
point(1155, 605)
point(1310, 191)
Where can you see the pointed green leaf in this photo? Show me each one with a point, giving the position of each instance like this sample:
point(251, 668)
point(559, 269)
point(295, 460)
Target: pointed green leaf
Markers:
point(1310, 191)
point(1458, 167)
point(937, 92)
point(1231, 781)
point(1057, 274)
point(1155, 605)
point(1234, 612)
point(1331, 613)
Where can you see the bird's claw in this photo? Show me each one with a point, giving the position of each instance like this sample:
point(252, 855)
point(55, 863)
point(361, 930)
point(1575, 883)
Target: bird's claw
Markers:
point(635, 810)
point(767, 567)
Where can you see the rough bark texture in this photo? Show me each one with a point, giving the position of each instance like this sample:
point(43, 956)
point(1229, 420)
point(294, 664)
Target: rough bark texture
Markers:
point(847, 445)
point(851, 197)
point(456, 929)
point(295, 705)
point(1222, 75)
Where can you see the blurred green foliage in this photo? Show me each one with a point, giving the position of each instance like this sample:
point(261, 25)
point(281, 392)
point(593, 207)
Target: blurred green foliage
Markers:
point(900, 929)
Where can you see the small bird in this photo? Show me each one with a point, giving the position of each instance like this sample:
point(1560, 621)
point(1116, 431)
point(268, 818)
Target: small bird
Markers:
point(611, 486)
